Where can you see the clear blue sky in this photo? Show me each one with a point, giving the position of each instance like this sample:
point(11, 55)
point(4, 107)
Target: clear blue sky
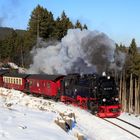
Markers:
point(119, 19)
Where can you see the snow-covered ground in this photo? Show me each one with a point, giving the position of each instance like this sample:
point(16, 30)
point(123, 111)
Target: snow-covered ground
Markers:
point(23, 117)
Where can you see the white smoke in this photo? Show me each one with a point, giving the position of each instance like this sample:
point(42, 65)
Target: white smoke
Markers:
point(78, 52)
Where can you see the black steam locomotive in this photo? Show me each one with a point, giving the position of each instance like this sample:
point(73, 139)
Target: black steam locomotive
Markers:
point(96, 93)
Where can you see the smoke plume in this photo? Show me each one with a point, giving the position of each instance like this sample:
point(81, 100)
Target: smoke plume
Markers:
point(78, 52)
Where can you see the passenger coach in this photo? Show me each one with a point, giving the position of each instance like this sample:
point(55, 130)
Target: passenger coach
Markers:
point(46, 85)
point(15, 81)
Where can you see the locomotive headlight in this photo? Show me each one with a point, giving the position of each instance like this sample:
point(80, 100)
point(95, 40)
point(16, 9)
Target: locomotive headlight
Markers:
point(104, 100)
point(116, 99)
point(108, 77)
point(95, 87)
point(75, 90)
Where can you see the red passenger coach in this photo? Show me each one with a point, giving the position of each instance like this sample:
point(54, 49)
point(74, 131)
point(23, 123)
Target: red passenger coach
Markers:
point(46, 85)
point(15, 81)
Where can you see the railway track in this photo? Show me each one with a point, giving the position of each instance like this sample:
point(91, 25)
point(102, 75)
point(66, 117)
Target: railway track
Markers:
point(128, 123)
point(123, 128)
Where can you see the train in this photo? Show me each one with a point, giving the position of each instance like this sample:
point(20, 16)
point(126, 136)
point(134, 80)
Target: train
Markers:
point(93, 92)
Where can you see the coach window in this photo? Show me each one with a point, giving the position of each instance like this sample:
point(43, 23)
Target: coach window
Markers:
point(14, 81)
point(11, 80)
point(37, 84)
point(20, 81)
point(30, 83)
point(48, 85)
point(17, 81)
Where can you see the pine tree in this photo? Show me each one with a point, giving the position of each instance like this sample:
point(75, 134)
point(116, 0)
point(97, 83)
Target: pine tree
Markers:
point(78, 25)
point(85, 27)
point(64, 25)
point(132, 64)
point(133, 48)
point(41, 23)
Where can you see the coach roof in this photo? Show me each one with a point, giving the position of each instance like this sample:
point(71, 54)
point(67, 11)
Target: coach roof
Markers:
point(45, 77)
point(19, 75)
point(3, 72)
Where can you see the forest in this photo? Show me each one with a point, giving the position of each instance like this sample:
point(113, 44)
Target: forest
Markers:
point(15, 46)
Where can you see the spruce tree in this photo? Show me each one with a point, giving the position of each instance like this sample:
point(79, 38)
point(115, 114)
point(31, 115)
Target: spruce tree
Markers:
point(78, 25)
point(132, 64)
point(64, 25)
point(41, 23)
point(85, 27)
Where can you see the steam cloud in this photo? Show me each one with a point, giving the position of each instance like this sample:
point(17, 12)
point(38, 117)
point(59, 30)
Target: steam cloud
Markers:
point(78, 52)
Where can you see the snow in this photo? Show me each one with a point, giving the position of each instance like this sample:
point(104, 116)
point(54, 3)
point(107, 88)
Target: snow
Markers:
point(131, 118)
point(133, 130)
point(26, 117)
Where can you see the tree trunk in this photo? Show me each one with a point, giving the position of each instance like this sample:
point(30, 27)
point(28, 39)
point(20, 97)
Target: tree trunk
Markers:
point(121, 88)
point(136, 97)
point(131, 95)
point(123, 84)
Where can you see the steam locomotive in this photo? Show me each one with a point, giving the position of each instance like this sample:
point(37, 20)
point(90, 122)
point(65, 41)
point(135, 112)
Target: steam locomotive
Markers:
point(99, 94)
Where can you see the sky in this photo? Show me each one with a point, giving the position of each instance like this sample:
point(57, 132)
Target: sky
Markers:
point(119, 19)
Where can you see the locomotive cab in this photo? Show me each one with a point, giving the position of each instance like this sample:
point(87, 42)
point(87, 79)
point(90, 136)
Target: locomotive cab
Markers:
point(68, 92)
